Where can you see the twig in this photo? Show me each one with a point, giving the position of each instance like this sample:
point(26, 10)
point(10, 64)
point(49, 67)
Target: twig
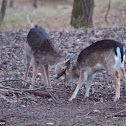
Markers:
point(52, 96)
point(40, 93)
point(87, 114)
point(14, 89)
point(12, 46)
point(109, 6)
point(23, 90)
point(31, 84)
point(117, 114)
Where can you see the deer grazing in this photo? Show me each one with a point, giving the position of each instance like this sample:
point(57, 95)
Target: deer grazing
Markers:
point(40, 50)
point(105, 54)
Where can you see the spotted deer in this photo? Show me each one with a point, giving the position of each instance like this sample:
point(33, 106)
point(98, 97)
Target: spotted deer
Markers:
point(39, 49)
point(106, 55)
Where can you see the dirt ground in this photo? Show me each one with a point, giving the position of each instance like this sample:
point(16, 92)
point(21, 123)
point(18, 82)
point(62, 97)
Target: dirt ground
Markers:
point(30, 110)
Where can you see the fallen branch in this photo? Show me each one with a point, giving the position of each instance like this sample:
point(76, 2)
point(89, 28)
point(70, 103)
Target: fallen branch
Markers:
point(22, 90)
point(40, 93)
point(52, 95)
point(118, 114)
point(40, 87)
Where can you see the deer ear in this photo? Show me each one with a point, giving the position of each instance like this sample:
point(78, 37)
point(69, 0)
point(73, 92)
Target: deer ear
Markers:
point(67, 64)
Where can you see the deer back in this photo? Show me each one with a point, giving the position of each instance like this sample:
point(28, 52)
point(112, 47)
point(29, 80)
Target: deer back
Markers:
point(41, 47)
point(101, 52)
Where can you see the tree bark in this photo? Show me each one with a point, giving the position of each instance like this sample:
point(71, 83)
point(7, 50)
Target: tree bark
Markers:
point(3, 10)
point(12, 3)
point(82, 13)
point(35, 3)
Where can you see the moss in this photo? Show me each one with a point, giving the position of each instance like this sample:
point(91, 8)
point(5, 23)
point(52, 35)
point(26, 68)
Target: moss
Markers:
point(77, 1)
point(78, 23)
point(78, 11)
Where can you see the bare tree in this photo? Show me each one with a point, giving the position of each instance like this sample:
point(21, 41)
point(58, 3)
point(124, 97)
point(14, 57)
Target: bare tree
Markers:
point(82, 13)
point(11, 3)
point(3, 10)
point(106, 16)
point(35, 3)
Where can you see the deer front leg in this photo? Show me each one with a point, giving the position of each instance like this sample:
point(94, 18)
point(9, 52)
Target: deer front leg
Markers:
point(35, 68)
point(28, 59)
point(26, 73)
point(82, 79)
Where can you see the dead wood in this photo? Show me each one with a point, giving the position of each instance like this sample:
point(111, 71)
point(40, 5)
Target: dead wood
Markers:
point(40, 93)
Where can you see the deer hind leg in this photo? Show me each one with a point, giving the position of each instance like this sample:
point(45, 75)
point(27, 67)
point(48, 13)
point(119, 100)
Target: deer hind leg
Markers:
point(35, 68)
point(28, 60)
point(117, 84)
point(124, 77)
point(82, 79)
point(47, 80)
point(115, 73)
point(88, 85)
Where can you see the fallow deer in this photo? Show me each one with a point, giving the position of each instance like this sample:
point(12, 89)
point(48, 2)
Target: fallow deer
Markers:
point(39, 48)
point(106, 55)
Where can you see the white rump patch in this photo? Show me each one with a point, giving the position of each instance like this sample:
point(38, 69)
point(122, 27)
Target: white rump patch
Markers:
point(124, 49)
point(118, 63)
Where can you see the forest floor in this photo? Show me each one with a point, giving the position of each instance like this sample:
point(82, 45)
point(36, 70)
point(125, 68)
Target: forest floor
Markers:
point(26, 109)
point(29, 110)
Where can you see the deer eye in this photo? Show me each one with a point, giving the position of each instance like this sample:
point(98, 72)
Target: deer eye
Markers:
point(64, 69)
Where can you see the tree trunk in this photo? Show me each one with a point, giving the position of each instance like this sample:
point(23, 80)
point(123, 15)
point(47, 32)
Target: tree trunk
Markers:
point(35, 3)
point(82, 13)
point(11, 3)
point(3, 10)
